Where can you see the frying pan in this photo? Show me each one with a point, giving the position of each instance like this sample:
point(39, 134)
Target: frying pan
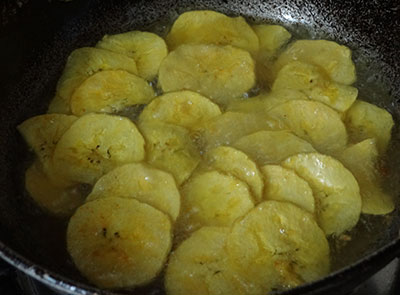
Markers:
point(36, 38)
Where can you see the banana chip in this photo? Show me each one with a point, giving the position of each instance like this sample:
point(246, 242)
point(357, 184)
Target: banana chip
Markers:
point(278, 246)
point(334, 59)
point(283, 184)
point(313, 121)
point(183, 108)
point(232, 161)
point(335, 189)
point(143, 183)
point(210, 27)
point(213, 199)
point(220, 73)
point(312, 82)
point(170, 148)
point(147, 49)
point(119, 243)
point(42, 134)
point(81, 64)
point(272, 147)
point(94, 145)
point(57, 200)
point(361, 159)
point(110, 92)
point(364, 120)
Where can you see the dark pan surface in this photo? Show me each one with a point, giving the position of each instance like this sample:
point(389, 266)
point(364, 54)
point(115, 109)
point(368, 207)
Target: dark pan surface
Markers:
point(41, 34)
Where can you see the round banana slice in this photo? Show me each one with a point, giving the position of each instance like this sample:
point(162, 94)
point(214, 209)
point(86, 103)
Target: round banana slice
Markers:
point(94, 145)
point(119, 243)
point(272, 147)
point(362, 159)
point(230, 126)
point(110, 92)
point(313, 121)
point(335, 190)
point(278, 246)
point(331, 57)
point(183, 108)
point(210, 27)
point(219, 72)
point(232, 161)
point(364, 120)
point(200, 266)
point(59, 201)
point(283, 184)
point(143, 183)
point(316, 85)
point(42, 134)
point(81, 64)
point(170, 148)
point(147, 49)
point(213, 199)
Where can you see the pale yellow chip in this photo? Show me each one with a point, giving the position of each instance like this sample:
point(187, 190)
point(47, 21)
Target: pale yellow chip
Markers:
point(57, 200)
point(283, 184)
point(213, 199)
point(278, 246)
point(361, 159)
point(230, 126)
point(81, 64)
point(110, 92)
point(264, 102)
point(170, 148)
point(272, 39)
point(232, 161)
point(335, 189)
point(119, 243)
point(334, 59)
point(364, 120)
point(94, 145)
point(210, 27)
point(147, 49)
point(272, 147)
point(42, 134)
point(313, 121)
point(220, 73)
point(143, 183)
point(183, 108)
point(311, 81)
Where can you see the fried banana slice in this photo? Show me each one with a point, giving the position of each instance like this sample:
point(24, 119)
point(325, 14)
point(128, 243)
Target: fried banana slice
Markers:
point(316, 85)
point(57, 200)
point(110, 92)
point(94, 145)
point(213, 199)
point(220, 73)
point(364, 120)
point(81, 64)
point(283, 184)
point(119, 243)
point(272, 147)
point(362, 159)
point(170, 148)
point(313, 121)
point(335, 189)
point(147, 49)
point(334, 59)
point(232, 161)
point(210, 27)
point(183, 108)
point(143, 183)
point(230, 126)
point(42, 133)
point(278, 246)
